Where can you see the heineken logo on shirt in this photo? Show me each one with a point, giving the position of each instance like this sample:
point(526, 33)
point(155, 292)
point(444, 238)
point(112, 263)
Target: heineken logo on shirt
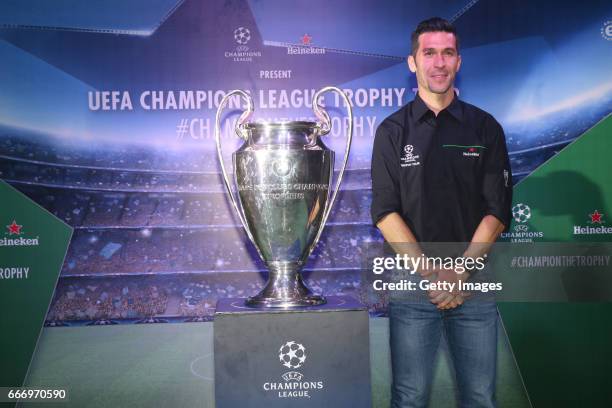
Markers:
point(467, 151)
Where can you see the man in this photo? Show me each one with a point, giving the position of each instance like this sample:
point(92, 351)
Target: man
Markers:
point(440, 173)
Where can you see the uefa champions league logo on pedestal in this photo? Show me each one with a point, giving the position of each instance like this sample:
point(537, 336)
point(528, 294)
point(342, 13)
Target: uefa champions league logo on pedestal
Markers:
point(292, 355)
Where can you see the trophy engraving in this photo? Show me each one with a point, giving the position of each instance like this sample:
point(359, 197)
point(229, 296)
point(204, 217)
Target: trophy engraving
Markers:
point(283, 176)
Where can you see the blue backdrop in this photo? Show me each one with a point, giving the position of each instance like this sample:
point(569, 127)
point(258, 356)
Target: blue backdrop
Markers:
point(107, 111)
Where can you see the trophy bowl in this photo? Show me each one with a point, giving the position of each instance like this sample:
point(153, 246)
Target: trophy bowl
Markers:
point(282, 194)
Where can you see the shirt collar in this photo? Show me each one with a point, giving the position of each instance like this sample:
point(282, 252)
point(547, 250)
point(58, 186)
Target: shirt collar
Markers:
point(419, 109)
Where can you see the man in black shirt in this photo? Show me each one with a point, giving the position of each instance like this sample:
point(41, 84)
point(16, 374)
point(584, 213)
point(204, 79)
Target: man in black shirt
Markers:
point(440, 173)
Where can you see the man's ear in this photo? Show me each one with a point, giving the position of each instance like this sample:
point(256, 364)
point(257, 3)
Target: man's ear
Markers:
point(411, 63)
point(458, 62)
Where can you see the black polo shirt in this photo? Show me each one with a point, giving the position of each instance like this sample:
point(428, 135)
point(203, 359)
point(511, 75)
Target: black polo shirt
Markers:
point(442, 173)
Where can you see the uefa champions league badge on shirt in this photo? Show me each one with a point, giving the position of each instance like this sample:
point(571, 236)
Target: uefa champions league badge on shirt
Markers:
point(409, 158)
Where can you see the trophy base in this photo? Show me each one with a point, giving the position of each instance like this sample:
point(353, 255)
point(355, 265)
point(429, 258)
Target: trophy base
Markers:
point(285, 289)
point(264, 302)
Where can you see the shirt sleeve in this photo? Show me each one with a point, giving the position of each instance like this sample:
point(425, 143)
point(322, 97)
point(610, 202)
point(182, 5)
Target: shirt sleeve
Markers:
point(385, 172)
point(497, 183)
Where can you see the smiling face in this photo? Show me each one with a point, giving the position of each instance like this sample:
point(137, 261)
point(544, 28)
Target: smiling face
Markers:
point(435, 62)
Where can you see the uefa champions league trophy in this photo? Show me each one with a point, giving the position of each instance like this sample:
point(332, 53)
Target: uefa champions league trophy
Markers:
point(283, 174)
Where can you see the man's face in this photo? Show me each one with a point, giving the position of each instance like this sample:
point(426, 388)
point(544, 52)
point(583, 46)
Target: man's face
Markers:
point(436, 62)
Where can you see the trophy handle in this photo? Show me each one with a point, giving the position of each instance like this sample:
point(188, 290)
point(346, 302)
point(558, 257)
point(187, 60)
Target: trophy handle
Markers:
point(241, 132)
point(325, 128)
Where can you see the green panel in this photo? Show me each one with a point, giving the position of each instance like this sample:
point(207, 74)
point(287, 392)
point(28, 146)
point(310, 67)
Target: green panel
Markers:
point(563, 349)
point(566, 190)
point(32, 247)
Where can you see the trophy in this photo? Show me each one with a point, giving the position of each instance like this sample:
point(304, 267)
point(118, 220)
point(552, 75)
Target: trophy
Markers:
point(283, 175)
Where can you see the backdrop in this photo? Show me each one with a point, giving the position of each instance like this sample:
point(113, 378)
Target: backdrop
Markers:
point(107, 121)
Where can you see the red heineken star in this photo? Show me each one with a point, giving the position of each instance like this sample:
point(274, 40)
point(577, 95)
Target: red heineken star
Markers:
point(306, 39)
point(14, 228)
point(596, 217)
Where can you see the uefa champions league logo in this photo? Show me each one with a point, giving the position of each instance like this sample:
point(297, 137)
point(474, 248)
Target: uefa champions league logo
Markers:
point(410, 158)
point(242, 53)
point(292, 355)
point(521, 213)
point(408, 150)
point(242, 35)
point(523, 232)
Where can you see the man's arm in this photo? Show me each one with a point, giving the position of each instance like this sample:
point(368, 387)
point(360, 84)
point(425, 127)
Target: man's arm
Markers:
point(496, 192)
point(386, 195)
point(395, 230)
point(399, 235)
point(486, 234)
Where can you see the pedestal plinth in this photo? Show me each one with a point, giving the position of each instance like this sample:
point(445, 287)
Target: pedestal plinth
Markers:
point(308, 357)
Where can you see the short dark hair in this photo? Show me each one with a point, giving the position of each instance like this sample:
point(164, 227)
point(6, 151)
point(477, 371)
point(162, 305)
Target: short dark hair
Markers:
point(432, 25)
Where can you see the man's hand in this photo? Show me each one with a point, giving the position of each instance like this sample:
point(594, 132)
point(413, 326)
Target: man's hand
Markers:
point(427, 271)
point(451, 301)
point(444, 299)
point(487, 232)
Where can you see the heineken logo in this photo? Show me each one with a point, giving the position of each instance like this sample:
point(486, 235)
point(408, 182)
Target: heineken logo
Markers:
point(471, 152)
point(596, 225)
point(13, 236)
point(467, 151)
point(14, 228)
point(596, 217)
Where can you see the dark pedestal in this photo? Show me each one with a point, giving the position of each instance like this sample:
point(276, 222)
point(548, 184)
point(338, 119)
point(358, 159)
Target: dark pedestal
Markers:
point(309, 357)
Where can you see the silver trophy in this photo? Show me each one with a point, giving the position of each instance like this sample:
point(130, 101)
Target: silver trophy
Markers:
point(283, 174)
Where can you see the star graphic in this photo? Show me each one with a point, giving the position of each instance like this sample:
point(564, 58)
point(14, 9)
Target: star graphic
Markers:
point(596, 217)
point(306, 39)
point(14, 228)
